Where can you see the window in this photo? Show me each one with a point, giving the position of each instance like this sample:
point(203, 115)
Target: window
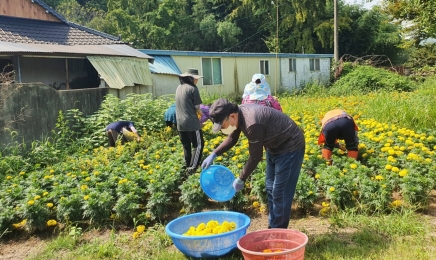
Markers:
point(264, 67)
point(314, 64)
point(292, 65)
point(211, 71)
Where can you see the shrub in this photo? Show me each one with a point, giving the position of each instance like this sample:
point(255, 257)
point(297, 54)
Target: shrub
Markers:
point(366, 79)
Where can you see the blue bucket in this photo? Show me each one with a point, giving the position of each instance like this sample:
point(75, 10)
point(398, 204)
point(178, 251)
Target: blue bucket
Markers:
point(207, 246)
point(217, 182)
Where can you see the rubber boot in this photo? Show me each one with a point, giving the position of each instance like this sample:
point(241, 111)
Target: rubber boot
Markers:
point(353, 154)
point(327, 155)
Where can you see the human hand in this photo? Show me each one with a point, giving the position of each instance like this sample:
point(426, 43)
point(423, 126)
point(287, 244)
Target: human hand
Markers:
point(208, 161)
point(238, 184)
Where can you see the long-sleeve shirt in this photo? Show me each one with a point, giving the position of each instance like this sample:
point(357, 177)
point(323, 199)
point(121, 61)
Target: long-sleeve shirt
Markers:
point(263, 127)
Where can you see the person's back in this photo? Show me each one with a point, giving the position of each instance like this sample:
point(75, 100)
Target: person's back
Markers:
point(170, 116)
point(259, 92)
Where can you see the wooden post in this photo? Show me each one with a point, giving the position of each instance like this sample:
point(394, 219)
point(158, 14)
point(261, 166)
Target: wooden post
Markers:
point(66, 74)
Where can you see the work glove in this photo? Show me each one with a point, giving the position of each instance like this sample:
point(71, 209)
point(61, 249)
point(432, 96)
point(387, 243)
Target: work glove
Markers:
point(238, 184)
point(208, 161)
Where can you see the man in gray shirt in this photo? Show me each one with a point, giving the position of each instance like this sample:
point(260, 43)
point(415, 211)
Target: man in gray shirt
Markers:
point(188, 123)
point(284, 143)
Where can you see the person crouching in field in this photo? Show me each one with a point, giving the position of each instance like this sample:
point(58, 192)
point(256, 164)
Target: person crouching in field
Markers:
point(127, 128)
point(337, 124)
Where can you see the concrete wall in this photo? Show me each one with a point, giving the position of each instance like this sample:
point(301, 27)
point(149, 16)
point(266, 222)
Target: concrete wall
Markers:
point(41, 104)
point(122, 93)
point(164, 84)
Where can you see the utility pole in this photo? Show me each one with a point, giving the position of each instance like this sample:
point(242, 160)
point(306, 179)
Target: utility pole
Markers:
point(335, 39)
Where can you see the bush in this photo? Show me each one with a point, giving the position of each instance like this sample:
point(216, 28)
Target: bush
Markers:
point(366, 79)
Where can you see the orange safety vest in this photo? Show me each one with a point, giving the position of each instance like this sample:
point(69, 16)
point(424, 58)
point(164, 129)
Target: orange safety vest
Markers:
point(330, 116)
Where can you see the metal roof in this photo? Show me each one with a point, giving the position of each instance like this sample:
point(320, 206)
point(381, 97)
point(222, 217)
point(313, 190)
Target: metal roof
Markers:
point(232, 54)
point(164, 64)
point(77, 50)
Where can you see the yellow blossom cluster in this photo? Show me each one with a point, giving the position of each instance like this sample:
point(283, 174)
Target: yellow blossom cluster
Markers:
point(212, 227)
point(51, 223)
point(139, 231)
point(19, 224)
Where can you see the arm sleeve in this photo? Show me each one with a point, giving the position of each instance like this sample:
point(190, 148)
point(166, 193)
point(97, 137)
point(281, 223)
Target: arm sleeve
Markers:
point(228, 143)
point(255, 134)
point(277, 105)
point(197, 98)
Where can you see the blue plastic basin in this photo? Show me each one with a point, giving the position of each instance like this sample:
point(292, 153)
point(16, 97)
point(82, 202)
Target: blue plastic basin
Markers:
point(207, 246)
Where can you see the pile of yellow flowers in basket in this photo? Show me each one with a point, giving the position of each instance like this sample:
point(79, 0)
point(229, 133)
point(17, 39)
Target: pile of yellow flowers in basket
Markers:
point(212, 227)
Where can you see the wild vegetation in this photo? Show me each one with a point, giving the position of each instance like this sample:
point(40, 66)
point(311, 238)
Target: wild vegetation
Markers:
point(72, 180)
point(72, 177)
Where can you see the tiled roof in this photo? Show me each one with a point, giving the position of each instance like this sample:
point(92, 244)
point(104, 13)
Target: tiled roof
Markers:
point(19, 30)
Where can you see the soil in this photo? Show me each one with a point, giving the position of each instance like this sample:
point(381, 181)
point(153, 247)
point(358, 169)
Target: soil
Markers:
point(23, 246)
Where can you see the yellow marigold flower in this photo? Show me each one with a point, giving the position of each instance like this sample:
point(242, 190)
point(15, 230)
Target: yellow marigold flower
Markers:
point(256, 204)
point(353, 166)
point(135, 235)
point(325, 204)
point(395, 169)
point(388, 167)
point(262, 209)
point(9, 177)
point(140, 228)
point(332, 189)
point(86, 197)
point(403, 173)
point(379, 177)
point(96, 173)
point(51, 223)
point(37, 197)
point(310, 192)
point(22, 173)
point(396, 203)
point(52, 171)
point(50, 205)
point(30, 202)
point(317, 176)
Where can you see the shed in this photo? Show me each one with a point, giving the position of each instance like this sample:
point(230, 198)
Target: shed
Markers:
point(229, 72)
point(42, 46)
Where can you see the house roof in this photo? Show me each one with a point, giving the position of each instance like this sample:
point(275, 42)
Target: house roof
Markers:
point(21, 30)
point(164, 64)
point(232, 54)
point(76, 50)
point(56, 38)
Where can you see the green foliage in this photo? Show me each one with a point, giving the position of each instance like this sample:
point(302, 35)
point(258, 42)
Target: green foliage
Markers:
point(193, 197)
point(366, 79)
point(422, 56)
point(306, 192)
point(418, 14)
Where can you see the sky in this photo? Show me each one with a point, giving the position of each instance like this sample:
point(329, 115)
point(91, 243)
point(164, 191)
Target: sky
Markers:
point(366, 4)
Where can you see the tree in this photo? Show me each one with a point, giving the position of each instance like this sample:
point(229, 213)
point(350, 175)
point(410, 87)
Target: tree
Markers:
point(416, 16)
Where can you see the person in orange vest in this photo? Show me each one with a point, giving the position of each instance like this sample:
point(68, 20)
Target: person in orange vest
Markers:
point(337, 124)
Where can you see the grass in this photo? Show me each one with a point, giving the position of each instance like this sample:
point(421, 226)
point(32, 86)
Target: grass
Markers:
point(401, 235)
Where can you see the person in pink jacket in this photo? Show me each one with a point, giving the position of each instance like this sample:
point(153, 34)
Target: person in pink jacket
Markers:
point(259, 92)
